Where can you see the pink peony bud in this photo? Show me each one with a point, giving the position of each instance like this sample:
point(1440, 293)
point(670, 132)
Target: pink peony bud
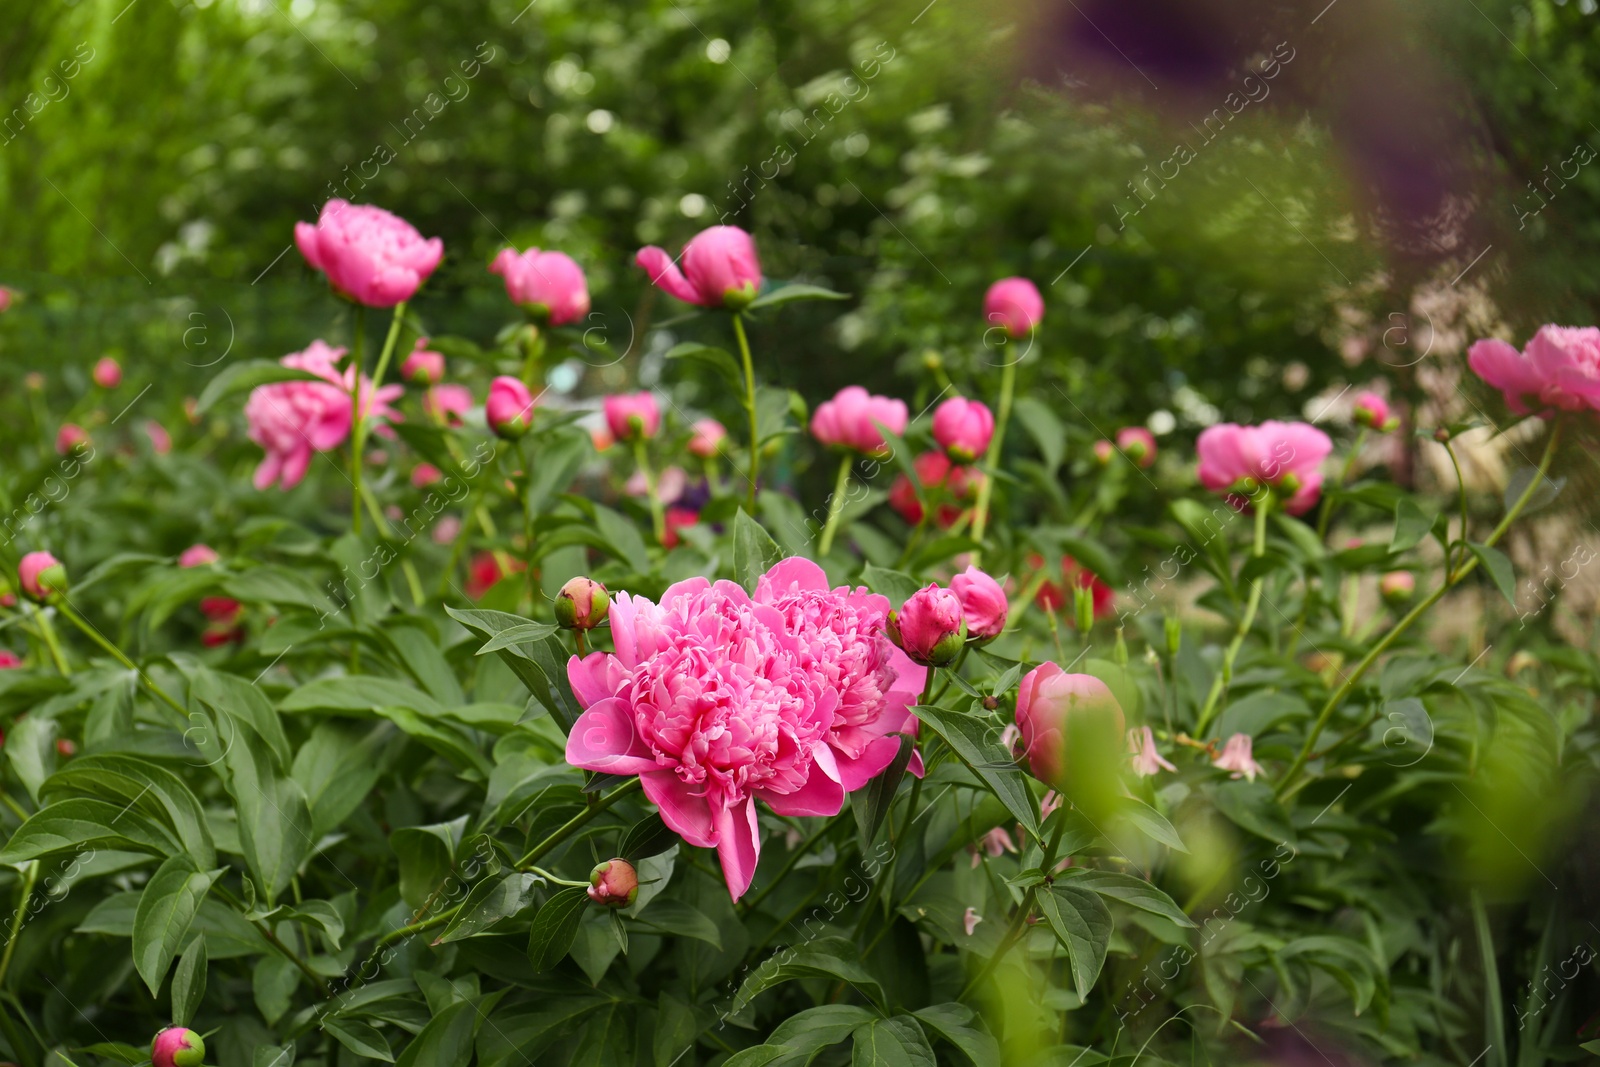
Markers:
point(1397, 587)
point(632, 416)
point(1103, 451)
point(1072, 727)
point(939, 477)
point(983, 603)
point(197, 556)
point(423, 367)
point(1014, 305)
point(39, 575)
point(1138, 444)
point(1284, 455)
point(177, 1046)
point(425, 474)
point(850, 420)
point(613, 884)
point(963, 428)
point(582, 604)
point(720, 269)
point(930, 628)
point(509, 409)
point(160, 439)
point(547, 285)
point(369, 255)
point(70, 437)
point(708, 435)
point(1372, 411)
point(107, 373)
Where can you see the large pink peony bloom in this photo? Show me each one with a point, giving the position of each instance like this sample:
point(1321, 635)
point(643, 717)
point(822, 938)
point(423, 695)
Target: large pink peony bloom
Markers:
point(1560, 368)
point(291, 420)
point(716, 699)
point(720, 269)
point(548, 285)
point(1284, 455)
point(370, 255)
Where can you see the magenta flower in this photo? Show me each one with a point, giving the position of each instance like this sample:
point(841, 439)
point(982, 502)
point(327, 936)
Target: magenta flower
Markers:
point(983, 603)
point(720, 269)
point(107, 373)
point(177, 1046)
point(1014, 305)
point(847, 421)
point(931, 626)
point(963, 428)
point(716, 700)
point(39, 574)
point(1236, 757)
point(369, 255)
point(1283, 455)
point(1560, 368)
point(509, 409)
point(423, 367)
point(547, 285)
point(707, 437)
point(1146, 760)
point(1053, 706)
point(1138, 444)
point(632, 416)
point(1372, 411)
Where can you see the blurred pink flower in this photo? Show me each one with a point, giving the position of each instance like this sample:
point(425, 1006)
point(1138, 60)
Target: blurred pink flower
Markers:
point(1284, 455)
point(160, 439)
point(1014, 305)
point(447, 403)
point(970, 920)
point(107, 373)
point(632, 415)
point(708, 435)
point(1372, 411)
point(963, 428)
point(1046, 699)
point(847, 421)
point(993, 844)
point(423, 367)
point(1146, 760)
point(670, 485)
point(1560, 368)
point(369, 255)
point(547, 285)
point(197, 556)
point(291, 420)
point(446, 530)
point(69, 437)
point(720, 269)
point(509, 409)
point(1236, 757)
point(1138, 444)
point(9, 660)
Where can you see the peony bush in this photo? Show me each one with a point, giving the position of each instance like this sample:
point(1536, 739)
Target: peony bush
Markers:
point(509, 731)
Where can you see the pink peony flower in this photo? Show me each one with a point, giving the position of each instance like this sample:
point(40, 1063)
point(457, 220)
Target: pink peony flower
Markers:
point(547, 285)
point(1371, 410)
point(716, 700)
point(70, 437)
point(931, 626)
point(670, 485)
point(290, 420)
point(39, 574)
point(847, 421)
point(369, 255)
point(1236, 757)
point(613, 884)
point(446, 530)
point(8, 296)
point(632, 416)
point(1146, 760)
point(1059, 712)
point(582, 604)
point(720, 269)
point(983, 603)
point(1138, 444)
point(160, 439)
point(1560, 368)
point(677, 520)
point(509, 409)
point(1103, 451)
point(963, 428)
point(1284, 455)
point(177, 1047)
point(107, 373)
point(423, 367)
point(1014, 305)
point(708, 435)
point(447, 403)
point(197, 556)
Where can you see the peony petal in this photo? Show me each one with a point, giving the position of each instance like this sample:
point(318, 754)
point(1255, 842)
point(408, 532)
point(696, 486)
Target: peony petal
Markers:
point(791, 575)
point(822, 793)
point(294, 467)
point(685, 812)
point(306, 239)
point(588, 677)
point(738, 844)
point(665, 275)
point(603, 739)
point(267, 472)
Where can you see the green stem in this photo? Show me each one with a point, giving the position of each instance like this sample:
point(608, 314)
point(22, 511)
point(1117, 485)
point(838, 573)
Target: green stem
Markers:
point(1452, 579)
point(1461, 490)
point(276, 942)
point(835, 504)
point(1324, 516)
point(120, 656)
point(991, 458)
point(356, 364)
point(547, 876)
point(658, 521)
point(534, 348)
point(578, 821)
point(788, 865)
point(749, 407)
point(1020, 919)
point(47, 634)
point(1247, 620)
point(30, 875)
point(358, 431)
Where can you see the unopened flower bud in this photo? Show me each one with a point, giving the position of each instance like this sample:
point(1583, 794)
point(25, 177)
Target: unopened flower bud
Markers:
point(1083, 609)
point(177, 1046)
point(509, 409)
point(40, 575)
point(931, 627)
point(983, 603)
point(613, 884)
point(1397, 587)
point(582, 604)
point(1174, 634)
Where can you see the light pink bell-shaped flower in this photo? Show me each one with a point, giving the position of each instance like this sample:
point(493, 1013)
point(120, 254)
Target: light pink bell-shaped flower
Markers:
point(720, 269)
point(1146, 760)
point(1236, 757)
point(370, 255)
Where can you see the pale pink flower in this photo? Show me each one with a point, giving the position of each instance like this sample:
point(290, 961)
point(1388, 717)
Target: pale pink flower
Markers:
point(369, 255)
point(70, 437)
point(446, 530)
point(1049, 803)
point(197, 556)
point(848, 420)
point(1284, 455)
point(1010, 736)
point(160, 439)
point(547, 285)
point(970, 920)
point(992, 844)
point(447, 403)
point(670, 484)
point(425, 474)
point(1146, 760)
point(107, 373)
point(708, 435)
point(720, 269)
point(1138, 444)
point(1236, 757)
